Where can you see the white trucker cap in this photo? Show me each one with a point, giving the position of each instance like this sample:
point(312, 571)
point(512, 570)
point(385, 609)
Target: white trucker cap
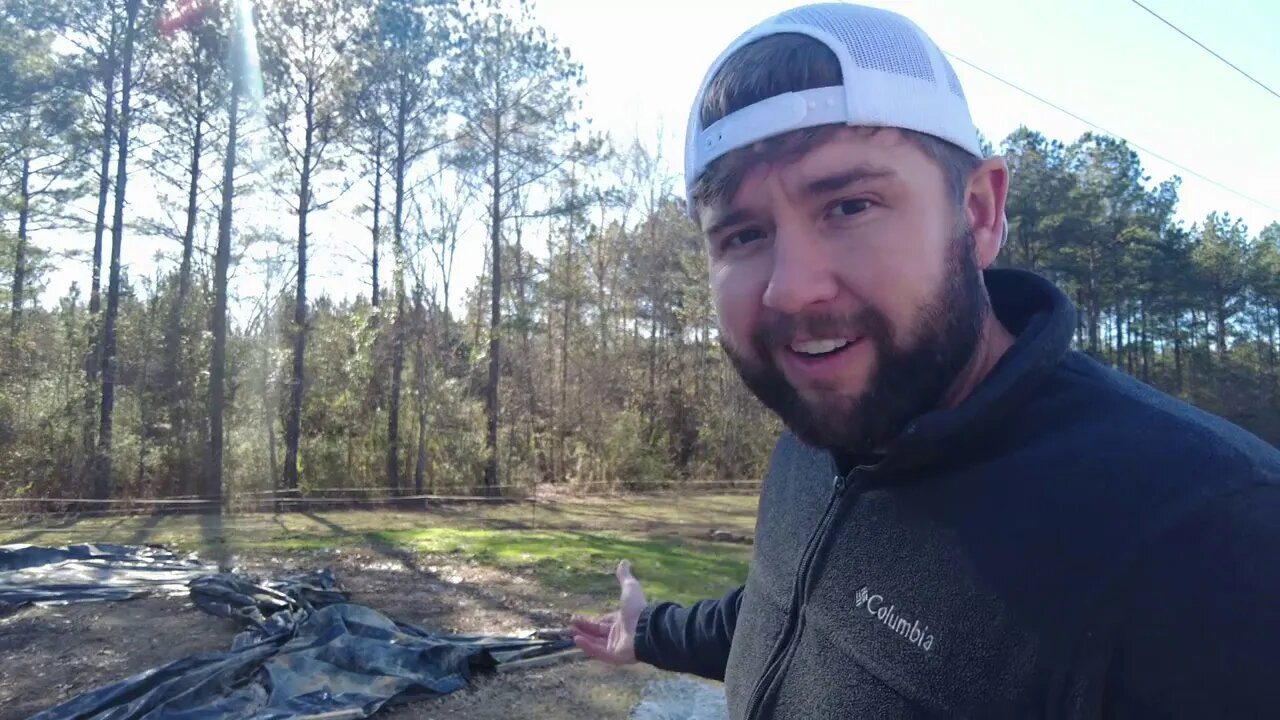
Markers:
point(894, 76)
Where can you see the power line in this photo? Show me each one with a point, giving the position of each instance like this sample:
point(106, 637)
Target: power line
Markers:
point(1098, 127)
point(1204, 47)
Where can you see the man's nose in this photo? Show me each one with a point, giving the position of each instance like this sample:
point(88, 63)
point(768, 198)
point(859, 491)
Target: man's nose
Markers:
point(802, 273)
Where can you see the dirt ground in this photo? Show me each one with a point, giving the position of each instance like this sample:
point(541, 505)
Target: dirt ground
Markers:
point(54, 653)
point(50, 654)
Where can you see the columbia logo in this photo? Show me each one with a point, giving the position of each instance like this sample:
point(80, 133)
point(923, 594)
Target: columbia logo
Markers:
point(911, 631)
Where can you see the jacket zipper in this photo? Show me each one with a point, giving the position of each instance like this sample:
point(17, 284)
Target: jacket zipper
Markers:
point(795, 620)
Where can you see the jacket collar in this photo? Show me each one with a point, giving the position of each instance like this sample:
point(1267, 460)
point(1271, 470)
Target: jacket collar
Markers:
point(1043, 321)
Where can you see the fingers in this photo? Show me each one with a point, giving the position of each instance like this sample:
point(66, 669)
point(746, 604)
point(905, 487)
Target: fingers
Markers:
point(597, 648)
point(611, 638)
point(589, 626)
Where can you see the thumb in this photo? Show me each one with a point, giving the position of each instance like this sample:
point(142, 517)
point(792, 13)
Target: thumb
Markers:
point(624, 572)
point(632, 599)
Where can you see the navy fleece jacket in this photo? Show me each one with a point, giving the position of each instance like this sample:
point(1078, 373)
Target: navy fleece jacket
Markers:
point(1067, 542)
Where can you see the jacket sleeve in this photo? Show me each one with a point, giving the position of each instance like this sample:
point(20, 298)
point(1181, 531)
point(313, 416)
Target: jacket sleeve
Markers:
point(1200, 627)
point(694, 639)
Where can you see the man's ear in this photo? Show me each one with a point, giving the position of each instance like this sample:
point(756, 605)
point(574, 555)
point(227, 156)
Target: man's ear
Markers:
point(984, 208)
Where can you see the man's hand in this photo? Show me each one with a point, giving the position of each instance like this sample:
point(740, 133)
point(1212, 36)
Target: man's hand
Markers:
point(612, 638)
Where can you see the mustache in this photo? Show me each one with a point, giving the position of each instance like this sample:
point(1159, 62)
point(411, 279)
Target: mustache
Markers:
point(779, 330)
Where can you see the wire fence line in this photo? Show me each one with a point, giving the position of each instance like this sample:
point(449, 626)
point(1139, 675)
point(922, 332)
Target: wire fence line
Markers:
point(361, 498)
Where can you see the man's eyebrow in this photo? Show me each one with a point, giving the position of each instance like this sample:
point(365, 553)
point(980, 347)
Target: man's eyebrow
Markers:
point(826, 184)
point(733, 218)
point(845, 178)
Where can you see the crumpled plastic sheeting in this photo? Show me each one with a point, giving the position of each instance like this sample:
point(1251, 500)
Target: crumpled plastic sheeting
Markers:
point(92, 572)
point(252, 600)
point(305, 653)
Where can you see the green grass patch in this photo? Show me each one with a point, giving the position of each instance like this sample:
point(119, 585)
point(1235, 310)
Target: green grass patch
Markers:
point(567, 546)
point(582, 562)
point(629, 516)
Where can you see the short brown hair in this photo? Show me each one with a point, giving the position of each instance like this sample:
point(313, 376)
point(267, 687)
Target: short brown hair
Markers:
point(785, 63)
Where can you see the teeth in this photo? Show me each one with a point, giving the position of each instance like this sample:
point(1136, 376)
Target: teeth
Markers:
point(817, 347)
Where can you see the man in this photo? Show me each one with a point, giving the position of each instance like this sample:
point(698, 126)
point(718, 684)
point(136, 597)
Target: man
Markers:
point(966, 518)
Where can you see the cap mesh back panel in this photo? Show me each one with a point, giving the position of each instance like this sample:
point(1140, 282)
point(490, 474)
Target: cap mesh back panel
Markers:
point(877, 41)
point(952, 81)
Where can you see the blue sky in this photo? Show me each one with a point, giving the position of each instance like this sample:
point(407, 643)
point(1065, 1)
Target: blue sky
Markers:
point(1105, 60)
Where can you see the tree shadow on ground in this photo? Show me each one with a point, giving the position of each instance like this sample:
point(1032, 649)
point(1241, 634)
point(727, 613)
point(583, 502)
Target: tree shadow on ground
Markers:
point(144, 531)
point(411, 561)
point(213, 540)
point(21, 522)
point(694, 513)
point(468, 514)
point(333, 527)
point(276, 519)
point(64, 523)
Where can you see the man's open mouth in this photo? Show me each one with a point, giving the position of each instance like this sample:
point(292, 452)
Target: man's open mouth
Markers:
point(820, 348)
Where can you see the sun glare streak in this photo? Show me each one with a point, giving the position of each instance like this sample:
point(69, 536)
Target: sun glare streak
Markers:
point(250, 69)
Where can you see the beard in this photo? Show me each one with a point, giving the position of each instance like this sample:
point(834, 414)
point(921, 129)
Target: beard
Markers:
point(905, 382)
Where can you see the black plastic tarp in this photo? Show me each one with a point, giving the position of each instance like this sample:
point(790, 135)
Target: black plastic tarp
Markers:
point(81, 573)
point(305, 652)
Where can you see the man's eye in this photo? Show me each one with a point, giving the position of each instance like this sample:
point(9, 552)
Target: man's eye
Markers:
point(850, 207)
point(740, 239)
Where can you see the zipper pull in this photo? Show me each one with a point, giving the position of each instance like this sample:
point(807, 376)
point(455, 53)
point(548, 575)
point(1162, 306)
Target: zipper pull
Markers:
point(838, 484)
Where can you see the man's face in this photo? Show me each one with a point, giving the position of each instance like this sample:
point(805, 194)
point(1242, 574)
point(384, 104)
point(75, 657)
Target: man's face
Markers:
point(848, 298)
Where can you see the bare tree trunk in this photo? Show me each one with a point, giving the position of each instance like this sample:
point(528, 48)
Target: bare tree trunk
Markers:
point(446, 276)
point(1091, 298)
point(376, 299)
point(1220, 329)
point(20, 256)
point(293, 425)
point(188, 244)
point(420, 468)
point(562, 427)
point(174, 332)
point(375, 318)
point(653, 349)
point(420, 389)
point(635, 327)
point(492, 470)
point(144, 384)
point(1272, 357)
point(269, 415)
point(603, 300)
point(393, 408)
point(398, 325)
point(478, 316)
point(1119, 338)
point(222, 261)
point(1144, 339)
point(93, 358)
point(1080, 332)
point(556, 468)
point(526, 343)
point(102, 478)
point(1131, 340)
point(1177, 352)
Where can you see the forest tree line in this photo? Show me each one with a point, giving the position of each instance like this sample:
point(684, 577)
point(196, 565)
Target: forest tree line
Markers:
point(584, 353)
